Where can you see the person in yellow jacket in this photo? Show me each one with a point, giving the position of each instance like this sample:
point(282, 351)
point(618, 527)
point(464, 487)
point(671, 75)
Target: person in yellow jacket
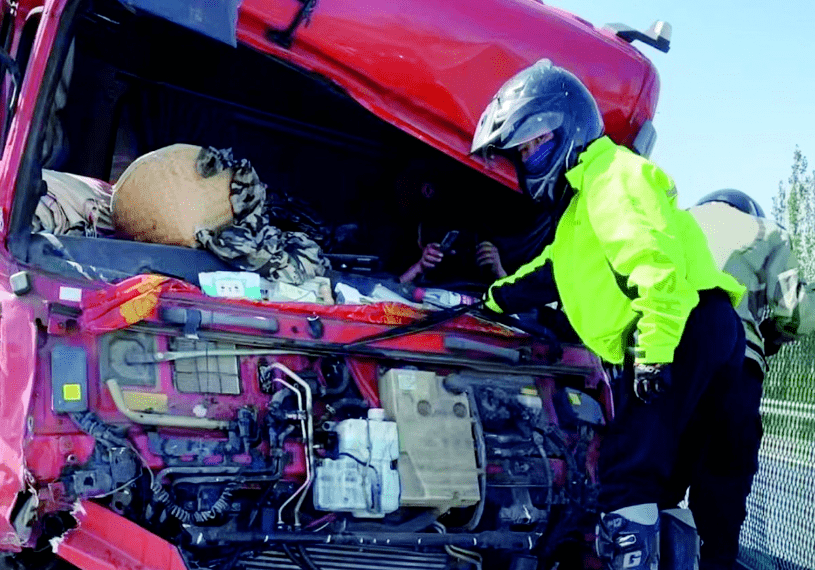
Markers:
point(638, 284)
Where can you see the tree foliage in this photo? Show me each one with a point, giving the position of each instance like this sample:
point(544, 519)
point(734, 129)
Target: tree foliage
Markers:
point(794, 208)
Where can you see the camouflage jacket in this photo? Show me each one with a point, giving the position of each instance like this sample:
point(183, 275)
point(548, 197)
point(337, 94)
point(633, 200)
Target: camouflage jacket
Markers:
point(779, 305)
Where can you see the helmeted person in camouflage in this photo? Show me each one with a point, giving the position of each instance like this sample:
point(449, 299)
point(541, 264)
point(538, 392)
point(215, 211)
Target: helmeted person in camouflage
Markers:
point(779, 305)
point(777, 308)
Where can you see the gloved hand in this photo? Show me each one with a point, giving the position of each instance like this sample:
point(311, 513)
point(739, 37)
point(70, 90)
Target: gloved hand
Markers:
point(651, 380)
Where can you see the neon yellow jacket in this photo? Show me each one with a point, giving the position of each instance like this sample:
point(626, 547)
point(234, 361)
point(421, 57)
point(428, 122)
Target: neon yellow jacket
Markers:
point(625, 255)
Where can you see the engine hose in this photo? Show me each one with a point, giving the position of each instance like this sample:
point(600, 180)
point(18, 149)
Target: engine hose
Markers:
point(573, 506)
point(418, 523)
point(554, 436)
point(99, 430)
point(537, 438)
point(481, 452)
point(582, 446)
point(306, 558)
point(160, 495)
point(348, 403)
point(345, 381)
point(281, 439)
point(301, 558)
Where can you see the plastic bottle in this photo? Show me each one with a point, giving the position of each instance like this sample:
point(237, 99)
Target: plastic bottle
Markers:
point(442, 297)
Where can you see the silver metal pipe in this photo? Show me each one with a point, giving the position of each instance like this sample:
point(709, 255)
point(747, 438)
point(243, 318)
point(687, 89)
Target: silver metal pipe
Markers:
point(310, 437)
point(308, 432)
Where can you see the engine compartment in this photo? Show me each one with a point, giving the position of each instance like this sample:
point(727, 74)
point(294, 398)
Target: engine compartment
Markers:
point(229, 450)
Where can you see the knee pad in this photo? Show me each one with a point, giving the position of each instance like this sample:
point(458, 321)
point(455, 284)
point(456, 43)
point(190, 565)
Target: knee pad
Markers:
point(628, 538)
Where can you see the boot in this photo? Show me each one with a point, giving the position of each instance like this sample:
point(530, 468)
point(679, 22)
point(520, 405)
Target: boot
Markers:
point(628, 538)
point(679, 541)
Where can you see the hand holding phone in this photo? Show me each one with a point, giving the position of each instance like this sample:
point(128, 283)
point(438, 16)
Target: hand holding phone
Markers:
point(448, 241)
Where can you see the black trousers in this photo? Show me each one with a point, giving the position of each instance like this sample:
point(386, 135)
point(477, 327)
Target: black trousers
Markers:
point(700, 433)
point(723, 474)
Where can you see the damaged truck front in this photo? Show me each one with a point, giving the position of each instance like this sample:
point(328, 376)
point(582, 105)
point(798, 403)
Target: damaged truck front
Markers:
point(169, 404)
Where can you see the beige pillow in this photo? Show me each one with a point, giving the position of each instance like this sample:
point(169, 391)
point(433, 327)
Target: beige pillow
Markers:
point(161, 198)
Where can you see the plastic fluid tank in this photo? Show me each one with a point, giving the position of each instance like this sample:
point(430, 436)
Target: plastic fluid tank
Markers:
point(437, 466)
point(363, 480)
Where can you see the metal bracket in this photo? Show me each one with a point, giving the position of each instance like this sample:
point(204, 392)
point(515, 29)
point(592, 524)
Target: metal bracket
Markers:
point(285, 36)
point(657, 36)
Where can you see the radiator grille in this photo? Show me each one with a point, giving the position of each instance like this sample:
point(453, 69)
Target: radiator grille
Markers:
point(350, 558)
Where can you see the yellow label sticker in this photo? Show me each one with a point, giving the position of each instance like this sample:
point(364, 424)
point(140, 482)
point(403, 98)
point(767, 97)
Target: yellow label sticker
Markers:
point(71, 392)
point(575, 399)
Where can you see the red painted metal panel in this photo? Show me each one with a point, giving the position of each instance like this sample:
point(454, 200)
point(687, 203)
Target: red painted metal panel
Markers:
point(430, 68)
point(17, 353)
point(23, 118)
point(106, 541)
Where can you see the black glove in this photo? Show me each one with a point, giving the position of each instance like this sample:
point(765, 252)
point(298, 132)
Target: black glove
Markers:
point(651, 380)
point(774, 337)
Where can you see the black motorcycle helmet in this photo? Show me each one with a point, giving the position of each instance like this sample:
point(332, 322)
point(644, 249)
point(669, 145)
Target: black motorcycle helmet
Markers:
point(538, 100)
point(735, 198)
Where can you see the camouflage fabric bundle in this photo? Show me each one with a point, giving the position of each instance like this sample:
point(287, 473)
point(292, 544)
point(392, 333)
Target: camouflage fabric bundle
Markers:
point(254, 240)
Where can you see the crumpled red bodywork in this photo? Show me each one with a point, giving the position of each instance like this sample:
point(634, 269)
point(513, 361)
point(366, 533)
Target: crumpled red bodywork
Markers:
point(17, 349)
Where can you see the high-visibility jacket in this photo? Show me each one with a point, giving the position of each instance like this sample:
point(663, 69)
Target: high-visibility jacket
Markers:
point(625, 256)
point(758, 253)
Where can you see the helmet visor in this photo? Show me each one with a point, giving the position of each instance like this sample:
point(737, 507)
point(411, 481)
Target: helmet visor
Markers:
point(532, 127)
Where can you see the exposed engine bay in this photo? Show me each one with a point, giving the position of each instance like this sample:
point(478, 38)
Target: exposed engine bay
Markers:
point(249, 457)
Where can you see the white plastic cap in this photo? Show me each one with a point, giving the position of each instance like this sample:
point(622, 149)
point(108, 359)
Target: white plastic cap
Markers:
point(377, 414)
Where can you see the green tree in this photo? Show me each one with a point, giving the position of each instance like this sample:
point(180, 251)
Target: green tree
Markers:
point(788, 393)
point(794, 208)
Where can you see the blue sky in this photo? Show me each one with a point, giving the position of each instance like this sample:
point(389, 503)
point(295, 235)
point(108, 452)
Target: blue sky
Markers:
point(738, 89)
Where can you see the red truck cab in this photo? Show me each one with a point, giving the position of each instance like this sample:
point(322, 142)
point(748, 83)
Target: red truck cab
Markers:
point(151, 421)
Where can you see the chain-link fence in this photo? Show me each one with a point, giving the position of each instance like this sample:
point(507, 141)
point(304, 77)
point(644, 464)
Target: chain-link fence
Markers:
point(779, 532)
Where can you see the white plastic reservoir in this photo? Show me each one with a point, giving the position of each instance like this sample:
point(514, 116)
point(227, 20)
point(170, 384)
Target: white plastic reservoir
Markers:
point(364, 479)
point(437, 466)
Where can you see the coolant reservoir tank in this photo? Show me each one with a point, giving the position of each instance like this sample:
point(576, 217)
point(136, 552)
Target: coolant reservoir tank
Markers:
point(363, 479)
point(437, 466)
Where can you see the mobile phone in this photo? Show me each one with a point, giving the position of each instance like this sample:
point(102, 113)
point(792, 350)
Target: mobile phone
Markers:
point(447, 243)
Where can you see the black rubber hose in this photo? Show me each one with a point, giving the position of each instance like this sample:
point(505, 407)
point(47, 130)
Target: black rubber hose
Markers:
point(416, 524)
point(346, 403)
point(345, 381)
point(301, 559)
